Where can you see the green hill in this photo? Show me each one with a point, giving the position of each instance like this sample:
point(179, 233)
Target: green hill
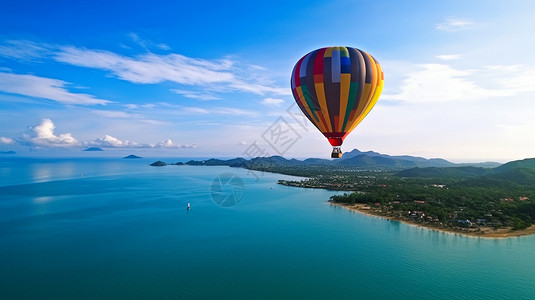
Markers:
point(528, 163)
point(520, 172)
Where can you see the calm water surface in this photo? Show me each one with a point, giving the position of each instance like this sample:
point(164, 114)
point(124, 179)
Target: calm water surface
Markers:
point(119, 229)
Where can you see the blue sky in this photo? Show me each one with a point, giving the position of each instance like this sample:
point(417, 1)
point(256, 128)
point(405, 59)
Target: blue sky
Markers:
point(176, 78)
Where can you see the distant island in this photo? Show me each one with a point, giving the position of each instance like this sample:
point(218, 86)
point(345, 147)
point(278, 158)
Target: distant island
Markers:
point(7, 152)
point(93, 149)
point(484, 199)
point(132, 156)
point(162, 164)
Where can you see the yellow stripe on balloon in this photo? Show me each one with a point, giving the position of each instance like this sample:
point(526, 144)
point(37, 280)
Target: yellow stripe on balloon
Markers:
point(320, 92)
point(329, 52)
point(367, 95)
point(344, 95)
point(380, 84)
point(317, 122)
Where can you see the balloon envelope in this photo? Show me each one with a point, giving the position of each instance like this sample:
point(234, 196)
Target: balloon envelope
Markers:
point(336, 87)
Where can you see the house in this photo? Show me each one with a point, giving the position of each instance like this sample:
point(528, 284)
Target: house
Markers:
point(464, 221)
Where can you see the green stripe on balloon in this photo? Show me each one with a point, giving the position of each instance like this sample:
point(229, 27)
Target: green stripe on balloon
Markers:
point(353, 87)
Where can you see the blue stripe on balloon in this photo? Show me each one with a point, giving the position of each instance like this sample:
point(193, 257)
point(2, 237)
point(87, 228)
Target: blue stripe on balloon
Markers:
point(303, 71)
point(345, 63)
point(335, 66)
point(292, 80)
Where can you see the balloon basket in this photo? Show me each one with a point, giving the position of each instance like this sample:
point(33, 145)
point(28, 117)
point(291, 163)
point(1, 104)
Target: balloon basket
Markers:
point(337, 152)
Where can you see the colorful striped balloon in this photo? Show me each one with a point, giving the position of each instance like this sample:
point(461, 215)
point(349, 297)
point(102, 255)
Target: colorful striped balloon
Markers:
point(336, 87)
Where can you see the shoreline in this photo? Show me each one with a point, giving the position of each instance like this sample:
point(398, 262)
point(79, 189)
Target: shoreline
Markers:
point(487, 232)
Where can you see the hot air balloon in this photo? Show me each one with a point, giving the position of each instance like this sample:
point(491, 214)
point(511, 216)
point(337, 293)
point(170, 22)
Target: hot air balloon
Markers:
point(336, 87)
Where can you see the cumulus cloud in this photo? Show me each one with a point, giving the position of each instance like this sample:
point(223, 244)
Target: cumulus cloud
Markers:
point(272, 101)
point(169, 144)
point(455, 24)
point(43, 135)
point(109, 141)
point(47, 88)
point(6, 141)
point(166, 144)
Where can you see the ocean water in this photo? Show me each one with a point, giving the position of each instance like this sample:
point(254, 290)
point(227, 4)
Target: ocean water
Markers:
point(119, 229)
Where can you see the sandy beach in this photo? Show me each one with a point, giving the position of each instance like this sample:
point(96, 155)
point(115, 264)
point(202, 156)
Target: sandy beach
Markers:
point(483, 232)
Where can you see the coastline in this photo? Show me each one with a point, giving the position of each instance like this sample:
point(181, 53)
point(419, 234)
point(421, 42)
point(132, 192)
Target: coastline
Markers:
point(480, 232)
point(486, 232)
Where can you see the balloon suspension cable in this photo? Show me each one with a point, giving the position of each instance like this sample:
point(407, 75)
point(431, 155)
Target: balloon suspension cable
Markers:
point(337, 152)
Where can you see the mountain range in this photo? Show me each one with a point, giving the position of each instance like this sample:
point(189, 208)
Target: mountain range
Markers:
point(354, 159)
point(520, 172)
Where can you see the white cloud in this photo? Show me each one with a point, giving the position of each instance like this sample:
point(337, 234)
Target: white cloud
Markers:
point(196, 110)
point(243, 143)
point(215, 75)
point(166, 144)
point(195, 95)
point(131, 106)
point(47, 88)
point(24, 50)
point(454, 24)
point(258, 88)
point(169, 144)
point(220, 111)
point(148, 105)
point(109, 141)
point(188, 146)
point(272, 101)
point(234, 111)
point(147, 43)
point(449, 56)
point(149, 68)
point(521, 80)
point(43, 135)
point(116, 114)
point(219, 75)
point(6, 141)
point(442, 83)
point(155, 122)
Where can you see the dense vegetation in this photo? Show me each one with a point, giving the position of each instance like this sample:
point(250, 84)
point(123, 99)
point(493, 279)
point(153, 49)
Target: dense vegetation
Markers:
point(453, 197)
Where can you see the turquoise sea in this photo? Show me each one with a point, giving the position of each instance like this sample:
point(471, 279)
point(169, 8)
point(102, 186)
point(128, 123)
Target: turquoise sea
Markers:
point(119, 229)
